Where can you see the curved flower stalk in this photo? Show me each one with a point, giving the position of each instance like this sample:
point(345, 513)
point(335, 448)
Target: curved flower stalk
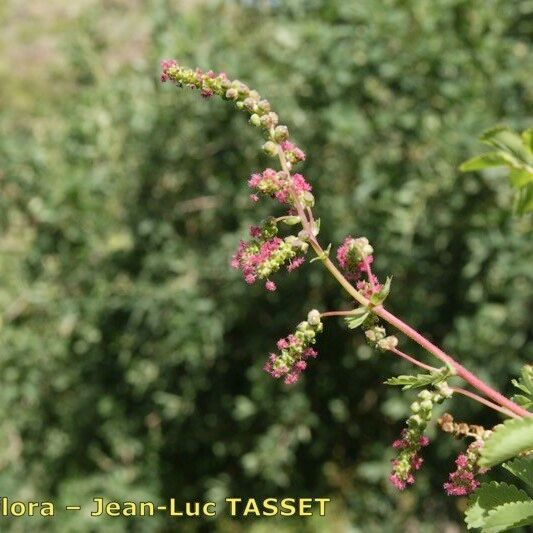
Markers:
point(267, 253)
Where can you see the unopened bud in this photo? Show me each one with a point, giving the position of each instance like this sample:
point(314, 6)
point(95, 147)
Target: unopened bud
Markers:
point(263, 106)
point(270, 120)
point(388, 343)
point(308, 199)
point(281, 133)
point(427, 405)
point(313, 317)
point(270, 148)
point(255, 120)
point(232, 94)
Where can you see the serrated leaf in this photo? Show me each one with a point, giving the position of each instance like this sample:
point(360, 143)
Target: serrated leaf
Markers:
point(509, 515)
point(507, 440)
point(522, 401)
point(358, 317)
point(522, 468)
point(409, 381)
point(509, 142)
point(490, 496)
point(525, 385)
point(379, 297)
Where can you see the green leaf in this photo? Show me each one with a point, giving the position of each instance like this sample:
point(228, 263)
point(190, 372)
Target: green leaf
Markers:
point(525, 385)
point(524, 200)
point(358, 317)
point(527, 139)
point(379, 297)
point(509, 515)
point(508, 142)
point(490, 496)
point(491, 159)
point(508, 440)
point(520, 177)
point(409, 381)
point(522, 468)
point(515, 152)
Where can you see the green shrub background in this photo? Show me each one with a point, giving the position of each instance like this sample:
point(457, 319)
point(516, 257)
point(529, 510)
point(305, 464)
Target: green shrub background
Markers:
point(131, 353)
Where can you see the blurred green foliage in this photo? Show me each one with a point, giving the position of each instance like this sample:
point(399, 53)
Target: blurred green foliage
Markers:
point(131, 354)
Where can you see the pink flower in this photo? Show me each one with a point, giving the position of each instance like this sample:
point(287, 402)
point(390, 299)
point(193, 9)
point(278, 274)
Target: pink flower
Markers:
point(255, 231)
point(424, 441)
point(408, 459)
point(270, 286)
point(397, 482)
point(295, 263)
point(295, 351)
point(166, 64)
point(462, 481)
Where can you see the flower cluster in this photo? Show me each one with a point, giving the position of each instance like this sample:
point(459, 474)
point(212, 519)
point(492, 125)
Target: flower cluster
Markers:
point(295, 349)
point(413, 439)
point(462, 481)
point(377, 337)
point(355, 257)
point(292, 153)
point(246, 99)
point(279, 185)
point(266, 253)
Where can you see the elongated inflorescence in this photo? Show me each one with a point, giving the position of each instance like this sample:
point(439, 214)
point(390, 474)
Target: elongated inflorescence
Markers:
point(267, 251)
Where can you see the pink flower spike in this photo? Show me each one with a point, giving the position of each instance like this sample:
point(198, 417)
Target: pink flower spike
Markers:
point(282, 344)
point(255, 231)
point(295, 263)
point(462, 460)
point(270, 286)
point(397, 482)
point(424, 441)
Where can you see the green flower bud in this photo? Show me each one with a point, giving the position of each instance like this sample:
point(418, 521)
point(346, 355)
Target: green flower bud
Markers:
point(281, 133)
point(270, 148)
point(232, 94)
point(425, 395)
point(415, 407)
point(263, 106)
point(308, 199)
point(313, 317)
point(427, 405)
point(415, 420)
point(255, 120)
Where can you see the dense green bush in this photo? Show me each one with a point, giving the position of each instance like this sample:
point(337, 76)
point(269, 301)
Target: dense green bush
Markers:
point(131, 354)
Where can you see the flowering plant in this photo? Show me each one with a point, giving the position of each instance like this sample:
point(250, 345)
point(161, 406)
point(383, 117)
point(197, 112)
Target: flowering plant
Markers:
point(268, 250)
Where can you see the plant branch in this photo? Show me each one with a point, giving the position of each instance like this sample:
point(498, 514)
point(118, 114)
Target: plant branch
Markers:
point(414, 361)
point(379, 310)
point(482, 400)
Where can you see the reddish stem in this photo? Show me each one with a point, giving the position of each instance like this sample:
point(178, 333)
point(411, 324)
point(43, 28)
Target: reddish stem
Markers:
point(413, 360)
point(392, 319)
point(460, 370)
point(369, 274)
point(488, 403)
